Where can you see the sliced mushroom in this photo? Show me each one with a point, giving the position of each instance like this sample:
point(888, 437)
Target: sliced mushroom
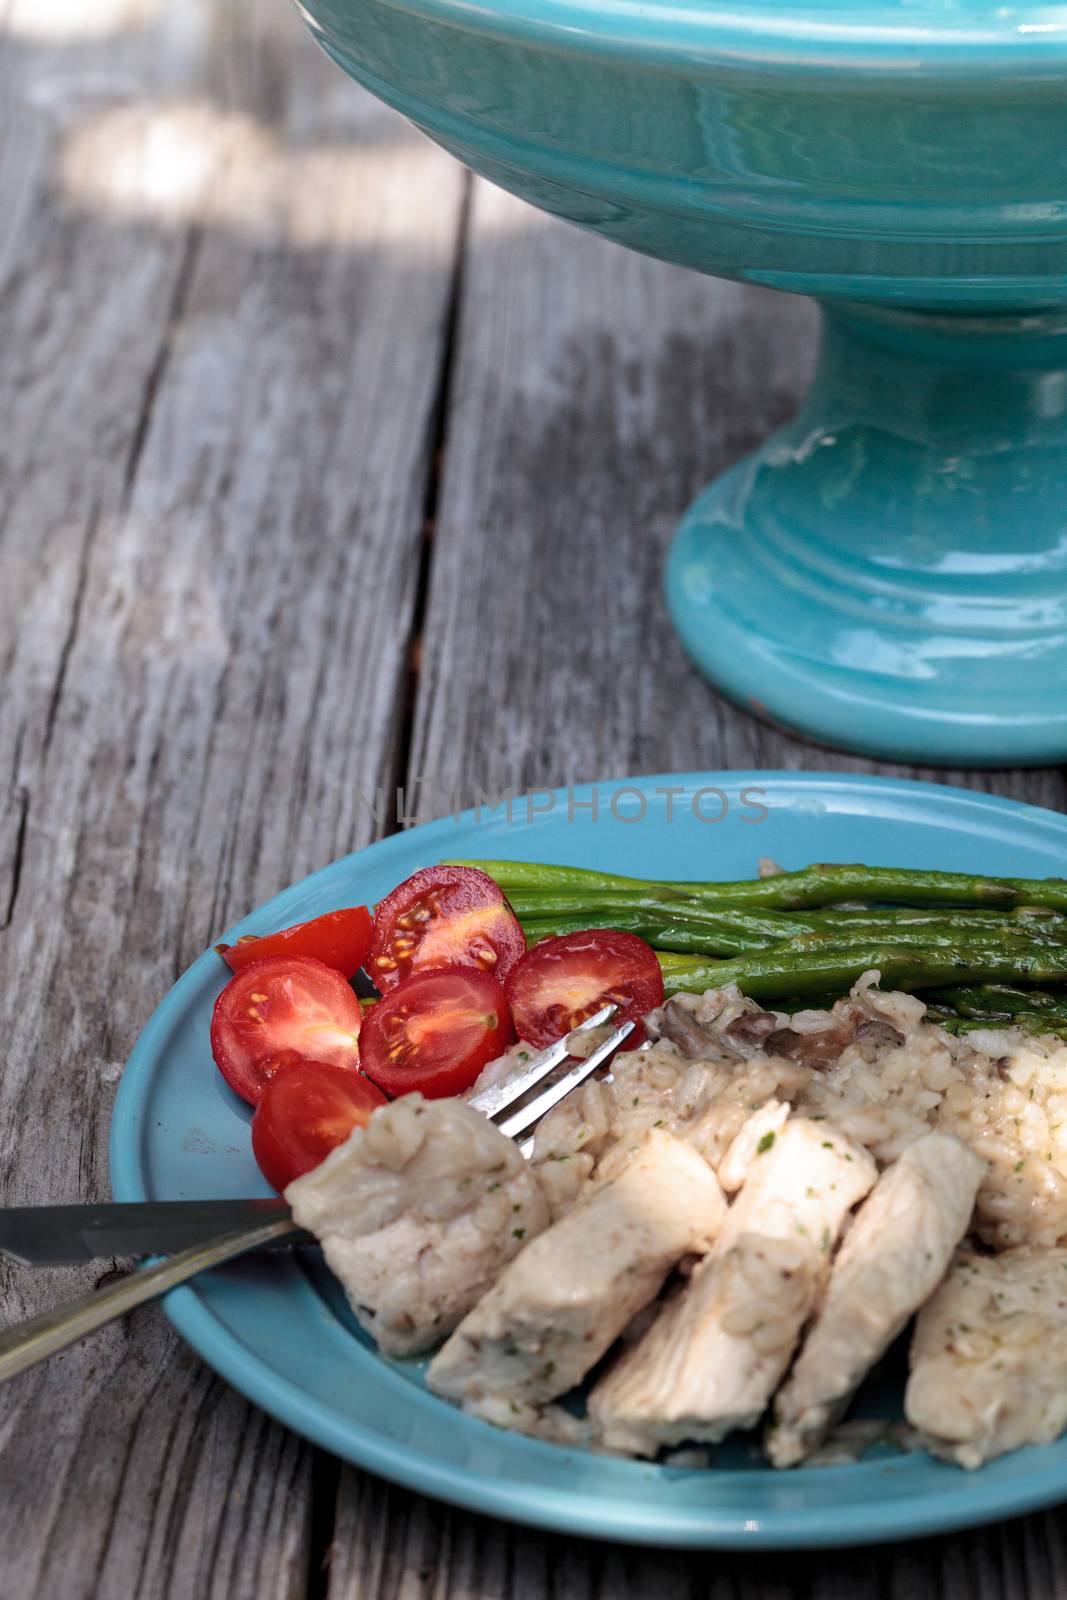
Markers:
point(818, 1048)
point(876, 1034)
point(751, 1028)
point(678, 1024)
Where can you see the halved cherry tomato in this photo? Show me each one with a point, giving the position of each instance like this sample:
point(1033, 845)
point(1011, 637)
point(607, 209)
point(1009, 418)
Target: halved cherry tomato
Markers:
point(562, 981)
point(277, 1012)
point(435, 1032)
point(444, 917)
point(304, 1113)
point(340, 939)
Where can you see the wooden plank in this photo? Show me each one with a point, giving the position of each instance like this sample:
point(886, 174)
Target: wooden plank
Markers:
point(221, 341)
point(593, 393)
point(390, 1542)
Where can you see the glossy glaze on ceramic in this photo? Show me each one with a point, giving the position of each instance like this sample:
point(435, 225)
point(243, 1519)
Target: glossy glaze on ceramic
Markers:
point(903, 577)
point(279, 1330)
point(889, 570)
point(830, 170)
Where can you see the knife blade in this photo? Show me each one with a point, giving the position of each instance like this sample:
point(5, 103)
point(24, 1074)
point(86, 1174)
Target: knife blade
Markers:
point(64, 1236)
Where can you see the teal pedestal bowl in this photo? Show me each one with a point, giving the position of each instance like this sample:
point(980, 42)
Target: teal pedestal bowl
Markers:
point(888, 572)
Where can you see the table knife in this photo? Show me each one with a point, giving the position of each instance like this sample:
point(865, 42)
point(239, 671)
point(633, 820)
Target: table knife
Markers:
point(64, 1236)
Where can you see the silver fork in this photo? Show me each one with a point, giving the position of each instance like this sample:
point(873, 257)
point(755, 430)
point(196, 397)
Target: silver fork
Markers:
point(26, 1343)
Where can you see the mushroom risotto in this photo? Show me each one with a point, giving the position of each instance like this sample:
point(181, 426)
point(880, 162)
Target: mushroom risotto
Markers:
point(736, 1221)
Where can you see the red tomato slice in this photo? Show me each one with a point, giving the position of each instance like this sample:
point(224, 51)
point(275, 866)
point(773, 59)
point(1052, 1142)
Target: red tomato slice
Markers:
point(340, 939)
point(562, 981)
point(276, 1012)
point(304, 1113)
point(444, 917)
point(435, 1032)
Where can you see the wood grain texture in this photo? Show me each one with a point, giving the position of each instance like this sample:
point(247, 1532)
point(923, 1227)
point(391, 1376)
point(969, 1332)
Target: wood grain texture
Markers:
point(225, 285)
point(391, 1543)
point(222, 331)
point(594, 393)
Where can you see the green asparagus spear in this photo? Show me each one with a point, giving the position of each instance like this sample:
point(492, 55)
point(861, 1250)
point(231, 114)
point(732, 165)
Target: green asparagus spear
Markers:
point(726, 937)
point(670, 961)
point(1036, 1022)
point(786, 970)
point(736, 929)
point(1030, 918)
point(931, 936)
point(998, 999)
point(600, 911)
point(820, 885)
point(571, 902)
point(542, 904)
point(694, 938)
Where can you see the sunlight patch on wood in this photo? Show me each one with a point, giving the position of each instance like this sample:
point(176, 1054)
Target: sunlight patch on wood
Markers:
point(186, 162)
point(76, 19)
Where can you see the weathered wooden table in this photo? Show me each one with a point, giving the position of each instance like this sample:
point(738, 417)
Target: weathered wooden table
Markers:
point(322, 470)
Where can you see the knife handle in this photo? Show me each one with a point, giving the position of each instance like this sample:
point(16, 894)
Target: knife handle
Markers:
point(28, 1342)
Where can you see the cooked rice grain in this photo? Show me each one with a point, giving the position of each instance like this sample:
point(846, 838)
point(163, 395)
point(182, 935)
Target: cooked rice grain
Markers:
point(1003, 1091)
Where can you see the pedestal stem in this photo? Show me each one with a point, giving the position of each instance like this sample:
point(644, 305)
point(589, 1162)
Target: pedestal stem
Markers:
point(889, 571)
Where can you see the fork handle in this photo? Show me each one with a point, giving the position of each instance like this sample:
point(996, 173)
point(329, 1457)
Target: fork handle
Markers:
point(28, 1342)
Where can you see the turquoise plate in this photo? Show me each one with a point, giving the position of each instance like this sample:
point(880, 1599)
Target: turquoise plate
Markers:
point(276, 1329)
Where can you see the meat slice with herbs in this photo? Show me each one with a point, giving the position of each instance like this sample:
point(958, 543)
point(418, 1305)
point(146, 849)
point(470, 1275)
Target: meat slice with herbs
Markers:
point(896, 1253)
point(416, 1214)
point(562, 1302)
point(989, 1356)
point(717, 1351)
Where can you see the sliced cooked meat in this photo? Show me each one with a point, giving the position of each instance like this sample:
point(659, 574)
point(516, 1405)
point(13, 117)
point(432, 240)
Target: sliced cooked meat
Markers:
point(761, 1128)
point(713, 1357)
point(416, 1214)
point(895, 1255)
point(989, 1356)
point(556, 1309)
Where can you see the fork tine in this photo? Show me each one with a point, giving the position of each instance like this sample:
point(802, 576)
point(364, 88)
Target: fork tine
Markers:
point(496, 1096)
point(519, 1121)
